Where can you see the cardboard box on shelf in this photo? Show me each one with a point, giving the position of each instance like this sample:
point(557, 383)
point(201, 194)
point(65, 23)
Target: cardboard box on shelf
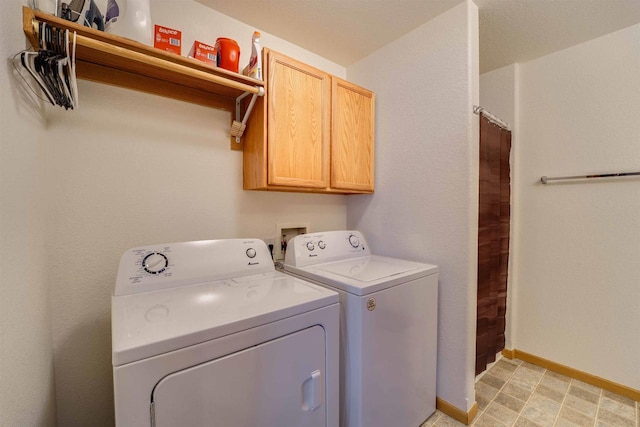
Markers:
point(204, 52)
point(168, 39)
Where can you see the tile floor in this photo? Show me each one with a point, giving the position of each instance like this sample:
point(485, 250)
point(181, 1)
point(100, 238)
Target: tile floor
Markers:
point(517, 393)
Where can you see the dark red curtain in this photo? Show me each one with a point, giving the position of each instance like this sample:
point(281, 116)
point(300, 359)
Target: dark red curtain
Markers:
point(493, 241)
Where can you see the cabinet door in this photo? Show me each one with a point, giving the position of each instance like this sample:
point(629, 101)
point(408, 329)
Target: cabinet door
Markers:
point(298, 123)
point(352, 130)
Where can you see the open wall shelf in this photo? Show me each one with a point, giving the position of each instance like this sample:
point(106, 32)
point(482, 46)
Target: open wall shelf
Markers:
point(105, 58)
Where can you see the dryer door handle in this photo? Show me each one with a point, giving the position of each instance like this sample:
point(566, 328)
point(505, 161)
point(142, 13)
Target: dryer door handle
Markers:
point(312, 392)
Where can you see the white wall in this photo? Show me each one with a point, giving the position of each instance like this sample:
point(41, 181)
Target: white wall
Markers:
point(27, 396)
point(425, 206)
point(576, 297)
point(579, 243)
point(498, 93)
point(499, 96)
point(199, 22)
point(79, 188)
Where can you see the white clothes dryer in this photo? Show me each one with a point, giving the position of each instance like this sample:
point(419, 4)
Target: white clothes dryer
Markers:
point(207, 333)
point(389, 330)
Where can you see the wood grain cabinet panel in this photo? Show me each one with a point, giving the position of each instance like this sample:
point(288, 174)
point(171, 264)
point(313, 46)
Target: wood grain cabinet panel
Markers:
point(312, 132)
point(352, 136)
point(298, 123)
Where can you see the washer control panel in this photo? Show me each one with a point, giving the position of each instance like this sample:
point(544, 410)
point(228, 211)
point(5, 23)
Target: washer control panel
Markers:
point(164, 266)
point(315, 248)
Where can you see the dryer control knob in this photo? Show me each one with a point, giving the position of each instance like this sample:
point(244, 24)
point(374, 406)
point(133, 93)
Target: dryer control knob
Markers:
point(251, 253)
point(155, 263)
point(354, 241)
point(322, 244)
point(310, 246)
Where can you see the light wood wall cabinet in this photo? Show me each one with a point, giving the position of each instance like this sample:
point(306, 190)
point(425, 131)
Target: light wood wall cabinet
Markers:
point(312, 132)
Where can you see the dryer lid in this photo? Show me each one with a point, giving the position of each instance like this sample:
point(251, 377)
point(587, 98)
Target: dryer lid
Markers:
point(151, 323)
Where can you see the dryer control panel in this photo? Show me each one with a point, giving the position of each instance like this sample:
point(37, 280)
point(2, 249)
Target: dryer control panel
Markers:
point(316, 248)
point(154, 267)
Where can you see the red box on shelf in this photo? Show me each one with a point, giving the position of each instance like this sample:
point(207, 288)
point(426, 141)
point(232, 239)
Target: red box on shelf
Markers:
point(168, 39)
point(204, 52)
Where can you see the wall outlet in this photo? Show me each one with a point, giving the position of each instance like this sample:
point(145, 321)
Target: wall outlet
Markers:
point(284, 233)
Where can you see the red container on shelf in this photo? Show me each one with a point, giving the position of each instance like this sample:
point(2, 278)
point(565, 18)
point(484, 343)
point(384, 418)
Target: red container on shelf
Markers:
point(228, 54)
point(168, 39)
point(204, 52)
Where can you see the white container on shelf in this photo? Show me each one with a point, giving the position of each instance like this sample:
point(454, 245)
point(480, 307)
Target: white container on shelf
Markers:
point(130, 19)
point(255, 61)
point(46, 6)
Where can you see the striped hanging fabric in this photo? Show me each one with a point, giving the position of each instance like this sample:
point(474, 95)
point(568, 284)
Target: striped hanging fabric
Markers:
point(493, 241)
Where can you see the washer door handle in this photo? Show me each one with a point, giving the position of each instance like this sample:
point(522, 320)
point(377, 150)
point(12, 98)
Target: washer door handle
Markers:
point(312, 392)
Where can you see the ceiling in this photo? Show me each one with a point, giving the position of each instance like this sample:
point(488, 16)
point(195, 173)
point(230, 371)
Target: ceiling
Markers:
point(522, 30)
point(346, 31)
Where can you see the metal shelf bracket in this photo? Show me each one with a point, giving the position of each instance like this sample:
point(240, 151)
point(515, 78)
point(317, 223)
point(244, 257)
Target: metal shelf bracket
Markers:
point(238, 125)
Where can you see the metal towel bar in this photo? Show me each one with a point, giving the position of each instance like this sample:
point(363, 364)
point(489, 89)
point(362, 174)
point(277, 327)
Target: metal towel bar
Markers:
point(546, 179)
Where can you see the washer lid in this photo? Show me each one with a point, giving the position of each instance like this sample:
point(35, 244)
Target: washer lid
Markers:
point(151, 323)
point(364, 275)
point(367, 269)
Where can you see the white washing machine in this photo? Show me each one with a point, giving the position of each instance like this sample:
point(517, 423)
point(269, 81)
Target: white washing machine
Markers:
point(389, 330)
point(208, 334)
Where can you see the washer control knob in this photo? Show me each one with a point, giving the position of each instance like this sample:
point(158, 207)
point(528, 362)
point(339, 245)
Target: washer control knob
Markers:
point(251, 253)
point(322, 244)
point(354, 241)
point(155, 263)
point(310, 246)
